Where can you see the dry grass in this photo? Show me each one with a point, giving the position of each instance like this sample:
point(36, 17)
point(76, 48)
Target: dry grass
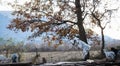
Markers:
point(57, 56)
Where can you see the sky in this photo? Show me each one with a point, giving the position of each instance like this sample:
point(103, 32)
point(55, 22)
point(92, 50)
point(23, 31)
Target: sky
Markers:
point(112, 30)
point(5, 7)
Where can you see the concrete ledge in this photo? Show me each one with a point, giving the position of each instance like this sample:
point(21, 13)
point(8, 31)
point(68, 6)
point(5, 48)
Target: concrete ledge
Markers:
point(16, 64)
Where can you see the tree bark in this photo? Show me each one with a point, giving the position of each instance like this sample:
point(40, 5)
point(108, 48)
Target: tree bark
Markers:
point(80, 24)
point(103, 43)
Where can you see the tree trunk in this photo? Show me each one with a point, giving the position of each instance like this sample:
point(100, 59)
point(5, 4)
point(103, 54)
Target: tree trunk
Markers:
point(36, 51)
point(7, 52)
point(80, 24)
point(19, 57)
point(103, 43)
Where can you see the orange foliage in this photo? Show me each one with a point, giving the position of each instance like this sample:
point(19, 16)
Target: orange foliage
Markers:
point(34, 11)
point(89, 33)
point(93, 20)
point(62, 32)
point(74, 31)
point(49, 44)
point(27, 15)
point(53, 38)
point(32, 27)
point(56, 45)
point(16, 21)
point(60, 42)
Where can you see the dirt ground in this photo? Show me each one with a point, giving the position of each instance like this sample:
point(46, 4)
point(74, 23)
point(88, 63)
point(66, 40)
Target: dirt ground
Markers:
point(58, 56)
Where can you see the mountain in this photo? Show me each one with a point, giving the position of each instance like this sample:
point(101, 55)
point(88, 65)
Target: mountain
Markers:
point(111, 42)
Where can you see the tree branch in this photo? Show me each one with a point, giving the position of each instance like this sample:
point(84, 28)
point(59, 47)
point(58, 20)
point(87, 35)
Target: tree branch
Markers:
point(98, 20)
point(105, 25)
point(95, 16)
point(35, 20)
point(57, 23)
point(84, 3)
point(63, 22)
point(69, 21)
point(103, 14)
point(85, 16)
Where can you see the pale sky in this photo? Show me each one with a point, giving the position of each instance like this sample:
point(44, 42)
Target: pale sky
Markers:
point(112, 32)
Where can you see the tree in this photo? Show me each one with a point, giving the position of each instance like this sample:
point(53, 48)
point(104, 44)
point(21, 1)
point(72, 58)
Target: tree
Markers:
point(101, 19)
point(19, 49)
point(2, 42)
point(64, 17)
point(8, 45)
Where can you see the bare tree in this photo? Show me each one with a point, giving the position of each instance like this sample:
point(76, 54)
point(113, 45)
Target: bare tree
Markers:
point(101, 19)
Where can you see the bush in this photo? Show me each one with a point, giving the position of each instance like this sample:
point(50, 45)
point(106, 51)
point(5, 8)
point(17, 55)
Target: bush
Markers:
point(118, 47)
